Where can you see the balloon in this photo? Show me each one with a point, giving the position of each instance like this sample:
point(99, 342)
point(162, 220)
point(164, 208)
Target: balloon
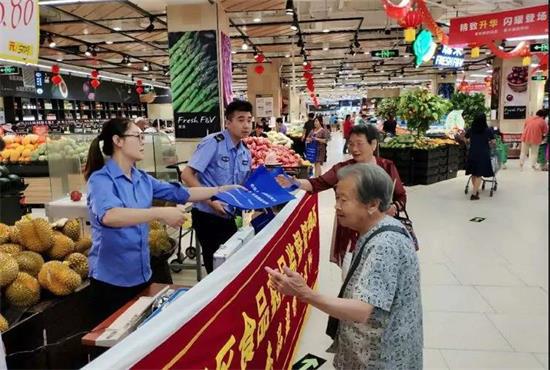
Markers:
point(95, 83)
point(56, 80)
point(259, 69)
point(55, 69)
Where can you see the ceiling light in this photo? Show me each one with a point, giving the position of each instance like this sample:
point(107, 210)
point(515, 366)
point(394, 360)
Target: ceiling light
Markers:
point(88, 51)
point(289, 8)
point(322, 74)
point(294, 27)
point(257, 20)
point(287, 55)
point(233, 52)
point(151, 26)
point(304, 63)
point(51, 42)
point(325, 46)
point(145, 67)
point(117, 29)
point(488, 64)
point(109, 42)
point(478, 75)
point(244, 46)
point(381, 71)
point(59, 59)
point(524, 38)
point(324, 68)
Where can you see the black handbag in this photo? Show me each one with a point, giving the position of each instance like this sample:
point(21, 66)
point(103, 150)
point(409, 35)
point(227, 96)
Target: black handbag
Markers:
point(406, 221)
point(333, 322)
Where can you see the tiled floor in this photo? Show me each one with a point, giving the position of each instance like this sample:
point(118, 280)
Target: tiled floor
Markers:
point(484, 285)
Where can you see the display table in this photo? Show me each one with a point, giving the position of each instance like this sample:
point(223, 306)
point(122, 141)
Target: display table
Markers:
point(66, 208)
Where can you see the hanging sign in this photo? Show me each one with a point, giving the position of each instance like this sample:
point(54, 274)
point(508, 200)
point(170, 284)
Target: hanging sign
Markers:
point(423, 47)
point(538, 48)
point(19, 30)
point(449, 57)
point(9, 70)
point(39, 82)
point(386, 53)
point(499, 26)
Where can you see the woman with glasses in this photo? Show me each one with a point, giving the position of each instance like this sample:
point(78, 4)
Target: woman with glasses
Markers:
point(362, 144)
point(120, 209)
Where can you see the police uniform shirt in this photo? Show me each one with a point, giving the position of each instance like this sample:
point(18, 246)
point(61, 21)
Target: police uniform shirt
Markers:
point(218, 161)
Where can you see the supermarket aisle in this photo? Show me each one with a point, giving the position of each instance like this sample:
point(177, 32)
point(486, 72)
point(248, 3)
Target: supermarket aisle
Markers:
point(484, 285)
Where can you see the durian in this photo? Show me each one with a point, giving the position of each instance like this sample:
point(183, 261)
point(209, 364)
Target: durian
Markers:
point(8, 269)
point(10, 248)
point(72, 229)
point(58, 278)
point(62, 246)
point(4, 326)
point(15, 235)
point(156, 225)
point(29, 262)
point(23, 291)
point(78, 263)
point(4, 233)
point(36, 234)
point(159, 242)
point(83, 244)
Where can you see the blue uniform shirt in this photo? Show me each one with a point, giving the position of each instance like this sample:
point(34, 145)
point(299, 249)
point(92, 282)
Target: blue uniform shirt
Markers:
point(218, 162)
point(120, 256)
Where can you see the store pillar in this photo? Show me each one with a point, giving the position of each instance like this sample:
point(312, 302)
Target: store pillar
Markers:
point(200, 68)
point(264, 90)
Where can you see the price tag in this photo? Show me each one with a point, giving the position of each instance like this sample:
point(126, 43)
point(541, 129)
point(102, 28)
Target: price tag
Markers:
point(19, 30)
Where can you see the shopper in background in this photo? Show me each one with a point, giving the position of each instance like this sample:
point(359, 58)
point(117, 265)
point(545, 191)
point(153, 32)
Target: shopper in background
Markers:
point(280, 127)
point(220, 159)
point(363, 142)
point(265, 124)
point(258, 131)
point(334, 122)
point(119, 205)
point(390, 126)
point(478, 163)
point(308, 126)
point(376, 320)
point(318, 136)
point(360, 119)
point(348, 124)
point(142, 123)
point(534, 131)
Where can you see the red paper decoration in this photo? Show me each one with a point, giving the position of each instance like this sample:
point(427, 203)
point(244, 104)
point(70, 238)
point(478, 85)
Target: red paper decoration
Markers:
point(396, 11)
point(95, 74)
point(307, 75)
point(259, 69)
point(139, 90)
point(95, 83)
point(409, 22)
point(139, 82)
point(55, 69)
point(56, 80)
point(518, 51)
point(308, 66)
point(259, 58)
point(431, 23)
point(310, 84)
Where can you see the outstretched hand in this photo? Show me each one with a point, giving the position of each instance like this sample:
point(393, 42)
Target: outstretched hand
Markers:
point(289, 283)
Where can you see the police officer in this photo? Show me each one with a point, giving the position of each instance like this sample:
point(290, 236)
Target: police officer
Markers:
point(220, 159)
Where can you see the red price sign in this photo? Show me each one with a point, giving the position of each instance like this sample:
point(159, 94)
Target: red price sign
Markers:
point(19, 30)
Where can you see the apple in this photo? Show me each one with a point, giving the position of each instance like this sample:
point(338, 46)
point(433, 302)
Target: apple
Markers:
point(76, 196)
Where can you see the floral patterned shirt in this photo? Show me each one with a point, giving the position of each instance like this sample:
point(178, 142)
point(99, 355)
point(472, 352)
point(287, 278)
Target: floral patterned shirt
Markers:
point(388, 277)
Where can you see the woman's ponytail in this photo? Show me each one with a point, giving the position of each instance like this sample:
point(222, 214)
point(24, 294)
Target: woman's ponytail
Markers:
point(115, 126)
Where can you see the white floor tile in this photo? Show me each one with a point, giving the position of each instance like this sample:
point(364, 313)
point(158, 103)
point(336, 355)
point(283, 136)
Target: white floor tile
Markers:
point(492, 274)
point(433, 360)
point(437, 274)
point(451, 298)
point(516, 300)
point(543, 359)
point(479, 360)
point(526, 333)
point(470, 331)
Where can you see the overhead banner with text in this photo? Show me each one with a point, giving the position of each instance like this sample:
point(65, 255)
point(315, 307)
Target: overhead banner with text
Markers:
point(194, 83)
point(499, 26)
point(234, 319)
point(19, 30)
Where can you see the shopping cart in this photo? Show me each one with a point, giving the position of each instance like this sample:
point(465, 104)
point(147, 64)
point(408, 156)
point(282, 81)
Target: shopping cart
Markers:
point(496, 164)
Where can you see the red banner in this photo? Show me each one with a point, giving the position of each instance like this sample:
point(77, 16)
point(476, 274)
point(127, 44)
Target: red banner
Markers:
point(249, 324)
point(485, 28)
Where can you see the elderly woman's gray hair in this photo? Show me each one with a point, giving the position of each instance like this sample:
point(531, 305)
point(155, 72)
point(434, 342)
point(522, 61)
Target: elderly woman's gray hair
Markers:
point(372, 183)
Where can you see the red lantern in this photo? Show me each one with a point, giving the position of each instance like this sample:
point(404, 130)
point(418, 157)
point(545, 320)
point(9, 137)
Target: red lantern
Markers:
point(95, 74)
point(55, 69)
point(139, 90)
point(308, 67)
point(259, 69)
point(95, 83)
point(310, 84)
point(396, 11)
point(56, 80)
point(409, 22)
point(259, 58)
point(307, 75)
point(139, 82)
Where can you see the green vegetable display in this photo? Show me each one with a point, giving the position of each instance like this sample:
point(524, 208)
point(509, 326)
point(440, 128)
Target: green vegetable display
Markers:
point(470, 105)
point(387, 108)
point(194, 73)
point(420, 108)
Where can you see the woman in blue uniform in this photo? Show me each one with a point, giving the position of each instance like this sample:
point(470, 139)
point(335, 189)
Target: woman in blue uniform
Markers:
point(119, 201)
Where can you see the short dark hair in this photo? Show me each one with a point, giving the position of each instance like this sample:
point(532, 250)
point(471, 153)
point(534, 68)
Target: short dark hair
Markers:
point(311, 115)
point(479, 124)
point(279, 120)
point(237, 106)
point(542, 113)
point(369, 131)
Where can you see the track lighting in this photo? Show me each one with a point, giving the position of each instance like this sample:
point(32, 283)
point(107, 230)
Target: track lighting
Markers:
point(88, 51)
point(51, 42)
point(151, 26)
point(244, 46)
point(289, 8)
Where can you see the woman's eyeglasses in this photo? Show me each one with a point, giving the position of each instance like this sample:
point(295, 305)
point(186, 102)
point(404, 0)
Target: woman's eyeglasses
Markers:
point(141, 137)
